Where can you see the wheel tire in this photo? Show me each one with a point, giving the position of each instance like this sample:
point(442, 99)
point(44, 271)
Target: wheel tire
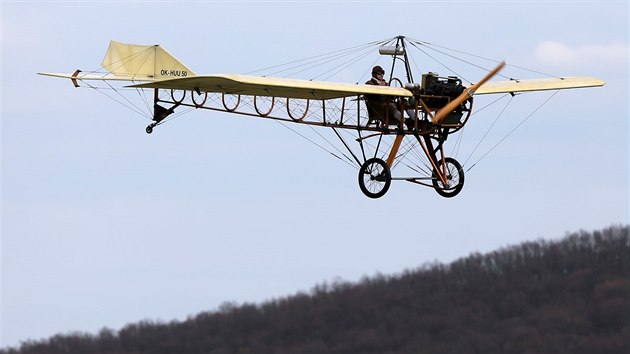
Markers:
point(149, 129)
point(455, 179)
point(374, 178)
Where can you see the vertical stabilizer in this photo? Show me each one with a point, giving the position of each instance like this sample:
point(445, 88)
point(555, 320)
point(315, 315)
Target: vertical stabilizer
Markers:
point(143, 61)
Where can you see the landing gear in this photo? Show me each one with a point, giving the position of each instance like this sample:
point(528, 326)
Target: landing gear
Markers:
point(374, 178)
point(159, 114)
point(454, 179)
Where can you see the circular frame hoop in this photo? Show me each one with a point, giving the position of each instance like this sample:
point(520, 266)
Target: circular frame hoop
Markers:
point(298, 119)
point(175, 99)
point(231, 109)
point(264, 114)
point(197, 104)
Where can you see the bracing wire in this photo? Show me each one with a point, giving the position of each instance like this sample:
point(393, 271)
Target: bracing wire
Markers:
point(386, 146)
point(347, 160)
point(125, 98)
point(514, 129)
point(304, 67)
point(317, 56)
point(480, 57)
point(313, 65)
point(131, 107)
point(143, 97)
point(331, 144)
point(125, 101)
point(439, 62)
point(122, 62)
point(458, 143)
point(460, 138)
point(488, 130)
point(343, 66)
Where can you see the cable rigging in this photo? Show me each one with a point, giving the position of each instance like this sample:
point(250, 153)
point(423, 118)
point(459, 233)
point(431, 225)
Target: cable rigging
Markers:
point(341, 60)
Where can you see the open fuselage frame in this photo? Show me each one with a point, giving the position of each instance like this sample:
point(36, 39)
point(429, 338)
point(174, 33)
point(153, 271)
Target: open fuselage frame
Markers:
point(348, 113)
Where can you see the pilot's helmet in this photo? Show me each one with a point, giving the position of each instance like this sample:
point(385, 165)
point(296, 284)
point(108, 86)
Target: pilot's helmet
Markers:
point(377, 70)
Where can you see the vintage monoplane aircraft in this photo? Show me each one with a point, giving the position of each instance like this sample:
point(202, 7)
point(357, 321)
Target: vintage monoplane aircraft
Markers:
point(426, 112)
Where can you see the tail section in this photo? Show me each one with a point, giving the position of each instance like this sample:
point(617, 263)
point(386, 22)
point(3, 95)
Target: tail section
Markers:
point(143, 62)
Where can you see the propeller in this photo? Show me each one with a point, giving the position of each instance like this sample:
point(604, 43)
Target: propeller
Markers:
point(468, 92)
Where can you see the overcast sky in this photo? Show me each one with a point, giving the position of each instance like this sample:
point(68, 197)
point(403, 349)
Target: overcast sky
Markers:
point(104, 225)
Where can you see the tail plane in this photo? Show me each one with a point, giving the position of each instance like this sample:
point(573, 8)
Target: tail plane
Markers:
point(148, 61)
point(132, 62)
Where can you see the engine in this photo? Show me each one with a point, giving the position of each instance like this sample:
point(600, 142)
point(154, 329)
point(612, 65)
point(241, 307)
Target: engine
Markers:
point(442, 89)
point(436, 92)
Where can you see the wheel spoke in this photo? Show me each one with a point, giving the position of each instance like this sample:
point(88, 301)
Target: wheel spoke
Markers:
point(454, 181)
point(374, 178)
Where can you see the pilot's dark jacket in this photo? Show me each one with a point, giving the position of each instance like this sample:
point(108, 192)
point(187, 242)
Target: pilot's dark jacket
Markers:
point(377, 105)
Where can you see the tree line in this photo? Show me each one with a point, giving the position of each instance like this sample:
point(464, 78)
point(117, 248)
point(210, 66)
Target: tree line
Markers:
point(567, 296)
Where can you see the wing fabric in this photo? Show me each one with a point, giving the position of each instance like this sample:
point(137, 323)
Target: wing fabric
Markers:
point(276, 87)
point(513, 86)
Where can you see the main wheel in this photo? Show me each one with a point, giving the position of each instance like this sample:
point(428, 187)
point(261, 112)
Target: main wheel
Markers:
point(374, 178)
point(454, 179)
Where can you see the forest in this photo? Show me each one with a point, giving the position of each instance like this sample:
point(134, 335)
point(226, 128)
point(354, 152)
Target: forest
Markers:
point(570, 295)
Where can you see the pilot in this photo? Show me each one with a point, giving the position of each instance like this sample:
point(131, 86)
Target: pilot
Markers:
point(379, 107)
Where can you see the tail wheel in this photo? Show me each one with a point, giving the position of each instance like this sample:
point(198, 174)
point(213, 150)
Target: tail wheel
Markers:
point(374, 178)
point(149, 129)
point(454, 179)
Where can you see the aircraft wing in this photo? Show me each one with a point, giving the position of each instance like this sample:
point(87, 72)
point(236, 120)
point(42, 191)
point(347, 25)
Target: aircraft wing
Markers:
point(514, 86)
point(271, 86)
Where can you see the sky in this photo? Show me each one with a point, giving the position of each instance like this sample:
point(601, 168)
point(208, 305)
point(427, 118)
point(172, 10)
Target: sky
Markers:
point(104, 225)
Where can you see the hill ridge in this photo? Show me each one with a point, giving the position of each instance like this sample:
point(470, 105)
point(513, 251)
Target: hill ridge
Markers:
point(565, 296)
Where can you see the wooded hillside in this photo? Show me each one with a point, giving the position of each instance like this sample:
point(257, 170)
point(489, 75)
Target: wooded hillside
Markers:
point(568, 296)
